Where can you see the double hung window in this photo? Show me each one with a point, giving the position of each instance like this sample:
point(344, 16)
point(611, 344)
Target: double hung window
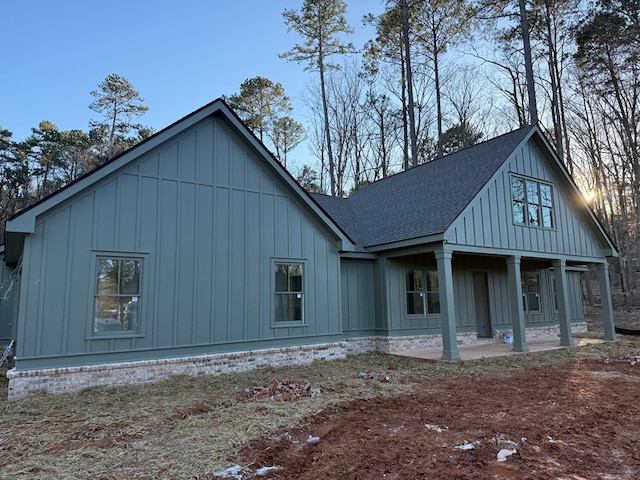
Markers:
point(117, 295)
point(422, 292)
point(288, 292)
point(531, 292)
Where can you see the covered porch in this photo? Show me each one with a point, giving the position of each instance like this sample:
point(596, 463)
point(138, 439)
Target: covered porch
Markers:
point(489, 349)
point(474, 282)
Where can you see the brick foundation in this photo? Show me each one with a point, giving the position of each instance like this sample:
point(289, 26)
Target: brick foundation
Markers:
point(357, 345)
point(75, 379)
point(542, 332)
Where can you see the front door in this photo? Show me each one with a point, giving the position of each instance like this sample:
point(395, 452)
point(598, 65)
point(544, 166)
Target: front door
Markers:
point(481, 304)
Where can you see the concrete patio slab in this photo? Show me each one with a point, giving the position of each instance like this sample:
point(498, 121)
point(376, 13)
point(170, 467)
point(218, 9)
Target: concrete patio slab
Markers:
point(496, 349)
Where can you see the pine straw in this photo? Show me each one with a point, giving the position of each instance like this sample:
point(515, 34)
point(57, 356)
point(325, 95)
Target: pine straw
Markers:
point(185, 427)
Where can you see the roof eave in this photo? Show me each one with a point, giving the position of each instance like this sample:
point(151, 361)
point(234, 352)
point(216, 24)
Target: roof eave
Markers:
point(609, 250)
point(411, 242)
point(345, 244)
point(24, 222)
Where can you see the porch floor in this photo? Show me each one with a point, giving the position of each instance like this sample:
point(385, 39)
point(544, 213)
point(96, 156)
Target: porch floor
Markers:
point(492, 348)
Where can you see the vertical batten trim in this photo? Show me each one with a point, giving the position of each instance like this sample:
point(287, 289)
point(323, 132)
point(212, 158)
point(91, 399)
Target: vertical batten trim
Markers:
point(67, 283)
point(39, 310)
point(196, 236)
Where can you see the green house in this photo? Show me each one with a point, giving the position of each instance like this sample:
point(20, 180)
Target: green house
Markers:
point(195, 253)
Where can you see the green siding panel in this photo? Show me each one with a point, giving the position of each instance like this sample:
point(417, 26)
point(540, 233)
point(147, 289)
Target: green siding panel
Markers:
point(464, 267)
point(488, 220)
point(7, 305)
point(357, 278)
point(208, 217)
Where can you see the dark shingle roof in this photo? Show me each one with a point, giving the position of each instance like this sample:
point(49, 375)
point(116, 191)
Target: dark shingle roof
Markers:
point(424, 200)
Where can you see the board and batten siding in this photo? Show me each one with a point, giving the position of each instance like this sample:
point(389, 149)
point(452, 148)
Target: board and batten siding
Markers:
point(358, 302)
point(497, 289)
point(209, 218)
point(8, 292)
point(488, 220)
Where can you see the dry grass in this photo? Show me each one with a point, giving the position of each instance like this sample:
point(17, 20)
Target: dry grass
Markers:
point(185, 427)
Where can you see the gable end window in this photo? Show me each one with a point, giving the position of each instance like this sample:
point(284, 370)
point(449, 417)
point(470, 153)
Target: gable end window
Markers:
point(117, 297)
point(288, 292)
point(422, 292)
point(532, 202)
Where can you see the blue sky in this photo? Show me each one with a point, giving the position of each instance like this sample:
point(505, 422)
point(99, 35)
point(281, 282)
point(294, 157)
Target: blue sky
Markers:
point(180, 55)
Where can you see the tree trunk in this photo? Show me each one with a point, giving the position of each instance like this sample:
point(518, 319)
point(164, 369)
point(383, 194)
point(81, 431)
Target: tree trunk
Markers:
point(436, 75)
point(528, 64)
point(412, 116)
point(327, 129)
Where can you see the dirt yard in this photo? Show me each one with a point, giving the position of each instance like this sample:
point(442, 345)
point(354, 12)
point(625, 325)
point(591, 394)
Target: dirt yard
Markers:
point(580, 420)
point(564, 414)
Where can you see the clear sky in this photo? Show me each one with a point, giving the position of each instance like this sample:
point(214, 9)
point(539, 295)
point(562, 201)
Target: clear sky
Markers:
point(178, 54)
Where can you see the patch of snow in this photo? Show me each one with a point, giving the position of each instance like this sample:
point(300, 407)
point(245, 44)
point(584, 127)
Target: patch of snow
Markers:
point(435, 428)
point(234, 472)
point(465, 446)
point(505, 453)
point(311, 439)
point(265, 470)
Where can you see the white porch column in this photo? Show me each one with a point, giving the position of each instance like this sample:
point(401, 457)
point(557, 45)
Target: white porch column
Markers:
point(447, 306)
point(562, 293)
point(605, 300)
point(515, 303)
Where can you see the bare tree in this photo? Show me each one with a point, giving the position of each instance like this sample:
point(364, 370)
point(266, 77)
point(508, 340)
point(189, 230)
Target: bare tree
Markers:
point(319, 23)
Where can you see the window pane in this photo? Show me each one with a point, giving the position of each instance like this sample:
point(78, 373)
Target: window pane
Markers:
point(433, 300)
point(517, 188)
point(106, 315)
point(117, 295)
point(518, 212)
point(532, 192)
point(415, 303)
point(534, 302)
point(295, 276)
point(288, 307)
point(547, 217)
point(415, 281)
point(282, 277)
point(107, 277)
point(432, 281)
point(545, 195)
point(555, 293)
point(129, 277)
point(534, 214)
point(533, 283)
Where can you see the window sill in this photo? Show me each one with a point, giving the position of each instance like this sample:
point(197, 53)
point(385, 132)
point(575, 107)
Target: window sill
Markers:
point(113, 335)
point(288, 324)
point(537, 227)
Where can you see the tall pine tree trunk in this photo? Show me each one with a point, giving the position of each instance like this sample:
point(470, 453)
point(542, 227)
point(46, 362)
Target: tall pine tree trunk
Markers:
point(327, 129)
point(528, 64)
point(412, 115)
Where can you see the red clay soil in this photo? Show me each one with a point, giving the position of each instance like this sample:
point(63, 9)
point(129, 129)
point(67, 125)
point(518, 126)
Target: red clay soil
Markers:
point(576, 421)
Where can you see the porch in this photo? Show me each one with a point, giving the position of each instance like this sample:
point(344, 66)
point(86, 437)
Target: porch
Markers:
point(492, 348)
